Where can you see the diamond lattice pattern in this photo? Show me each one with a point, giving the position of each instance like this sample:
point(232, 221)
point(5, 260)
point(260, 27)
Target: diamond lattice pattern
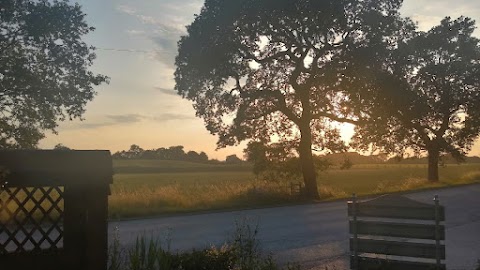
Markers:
point(31, 219)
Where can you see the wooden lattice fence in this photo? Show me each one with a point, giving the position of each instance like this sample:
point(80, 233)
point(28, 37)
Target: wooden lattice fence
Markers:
point(53, 209)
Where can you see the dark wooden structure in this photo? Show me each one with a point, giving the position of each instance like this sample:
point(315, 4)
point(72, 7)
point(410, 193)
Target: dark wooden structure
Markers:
point(395, 232)
point(53, 209)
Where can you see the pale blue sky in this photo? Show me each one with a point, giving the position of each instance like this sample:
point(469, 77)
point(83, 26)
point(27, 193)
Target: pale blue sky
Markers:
point(139, 105)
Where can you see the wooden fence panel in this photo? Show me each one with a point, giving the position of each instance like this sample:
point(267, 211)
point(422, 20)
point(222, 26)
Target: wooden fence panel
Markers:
point(381, 263)
point(397, 248)
point(395, 229)
point(53, 209)
point(416, 238)
point(394, 206)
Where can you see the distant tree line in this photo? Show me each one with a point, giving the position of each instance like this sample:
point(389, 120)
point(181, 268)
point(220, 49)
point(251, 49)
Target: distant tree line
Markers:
point(443, 159)
point(356, 158)
point(279, 160)
point(170, 153)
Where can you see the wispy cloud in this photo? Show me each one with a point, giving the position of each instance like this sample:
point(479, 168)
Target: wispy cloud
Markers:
point(127, 9)
point(145, 19)
point(134, 32)
point(124, 119)
point(429, 13)
point(112, 120)
point(165, 30)
point(172, 116)
point(89, 125)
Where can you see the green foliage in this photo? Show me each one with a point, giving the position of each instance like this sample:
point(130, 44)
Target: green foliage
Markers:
point(115, 253)
point(44, 76)
point(246, 246)
point(242, 253)
point(431, 97)
point(256, 153)
point(277, 161)
point(150, 255)
point(291, 168)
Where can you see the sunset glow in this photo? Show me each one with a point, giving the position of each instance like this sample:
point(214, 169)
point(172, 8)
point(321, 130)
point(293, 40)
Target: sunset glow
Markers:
point(136, 46)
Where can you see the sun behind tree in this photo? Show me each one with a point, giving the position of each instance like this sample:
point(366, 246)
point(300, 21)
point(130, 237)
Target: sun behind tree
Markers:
point(283, 70)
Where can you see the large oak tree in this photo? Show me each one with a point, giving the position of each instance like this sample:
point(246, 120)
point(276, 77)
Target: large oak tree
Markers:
point(283, 70)
point(432, 101)
point(44, 68)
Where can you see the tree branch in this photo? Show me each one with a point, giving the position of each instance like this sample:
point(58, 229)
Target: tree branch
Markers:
point(337, 118)
point(282, 107)
point(250, 56)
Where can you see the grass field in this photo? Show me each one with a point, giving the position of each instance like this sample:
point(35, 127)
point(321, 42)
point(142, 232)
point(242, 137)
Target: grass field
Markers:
point(148, 187)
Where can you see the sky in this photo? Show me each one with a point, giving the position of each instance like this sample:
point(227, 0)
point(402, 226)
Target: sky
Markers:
point(136, 46)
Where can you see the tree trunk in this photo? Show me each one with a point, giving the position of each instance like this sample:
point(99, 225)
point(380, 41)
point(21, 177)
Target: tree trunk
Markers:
point(433, 157)
point(306, 160)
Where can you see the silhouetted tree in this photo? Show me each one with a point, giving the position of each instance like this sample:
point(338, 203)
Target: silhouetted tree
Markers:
point(284, 69)
point(203, 157)
point(233, 159)
point(161, 153)
point(148, 154)
point(176, 152)
point(433, 102)
point(44, 76)
point(171, 153)
point(192, 156)
point(135, 151)
point(60, 146)
point(120, 155)
point(256, 153)
point(277, 160)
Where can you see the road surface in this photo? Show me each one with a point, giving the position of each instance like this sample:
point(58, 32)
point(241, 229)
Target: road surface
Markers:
point(314, 235)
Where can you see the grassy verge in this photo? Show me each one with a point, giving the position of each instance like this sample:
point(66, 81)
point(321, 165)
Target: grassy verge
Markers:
point(242, 252)
point(147, 194)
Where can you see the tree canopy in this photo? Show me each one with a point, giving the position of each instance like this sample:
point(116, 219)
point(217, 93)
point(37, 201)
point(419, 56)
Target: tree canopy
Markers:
point(433, 102)
point(281, 71)
point(44, 68)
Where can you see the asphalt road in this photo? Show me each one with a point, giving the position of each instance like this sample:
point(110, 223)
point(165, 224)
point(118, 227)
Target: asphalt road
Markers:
point(314, 235)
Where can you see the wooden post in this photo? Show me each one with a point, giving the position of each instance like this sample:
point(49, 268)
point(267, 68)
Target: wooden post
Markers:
point(97, 228)
point(437, 231)
point(355, 235)
point(74, 227)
